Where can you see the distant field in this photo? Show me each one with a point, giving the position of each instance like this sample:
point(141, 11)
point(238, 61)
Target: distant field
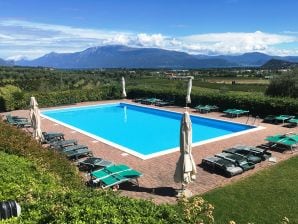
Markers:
point(245, 85)
point(238, 80)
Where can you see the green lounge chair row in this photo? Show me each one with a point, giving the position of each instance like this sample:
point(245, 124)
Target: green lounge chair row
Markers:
point(114, 175)
point(71, 148)
point(206, 108)
point(235, 160)
point(235, 112)
point(17, 121)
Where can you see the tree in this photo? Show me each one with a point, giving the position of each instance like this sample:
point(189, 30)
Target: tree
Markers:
point(284, 85)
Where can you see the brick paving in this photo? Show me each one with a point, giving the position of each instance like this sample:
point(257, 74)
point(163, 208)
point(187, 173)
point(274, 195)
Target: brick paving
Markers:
point(157, 181)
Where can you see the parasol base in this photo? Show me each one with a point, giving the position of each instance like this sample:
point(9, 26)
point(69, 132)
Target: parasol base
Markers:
point(184, 193)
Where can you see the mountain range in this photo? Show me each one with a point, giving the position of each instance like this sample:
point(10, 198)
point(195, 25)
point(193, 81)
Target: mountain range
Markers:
point(6, 63)
point(119, 56)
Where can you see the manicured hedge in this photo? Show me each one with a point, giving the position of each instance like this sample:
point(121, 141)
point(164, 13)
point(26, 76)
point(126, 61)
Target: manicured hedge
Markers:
point(256, 103)
point(14, 98)
point(50, 190)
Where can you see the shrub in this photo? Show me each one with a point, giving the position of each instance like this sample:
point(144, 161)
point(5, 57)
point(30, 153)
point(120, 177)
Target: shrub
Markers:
point(284, 86)
point(14, 141)
point(49, 190)
point(11, 98)
point(256, 103)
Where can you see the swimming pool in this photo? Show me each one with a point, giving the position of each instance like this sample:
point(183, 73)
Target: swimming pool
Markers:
point(138, 130)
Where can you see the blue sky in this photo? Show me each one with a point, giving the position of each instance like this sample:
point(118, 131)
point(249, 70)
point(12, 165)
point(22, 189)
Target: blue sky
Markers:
point(32, 28)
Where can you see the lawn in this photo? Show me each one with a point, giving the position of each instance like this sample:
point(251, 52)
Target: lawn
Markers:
point(266, 197)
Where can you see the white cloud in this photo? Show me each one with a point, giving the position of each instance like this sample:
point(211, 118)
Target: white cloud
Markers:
point(235, 43)
point(32, 40)
point(154, 40)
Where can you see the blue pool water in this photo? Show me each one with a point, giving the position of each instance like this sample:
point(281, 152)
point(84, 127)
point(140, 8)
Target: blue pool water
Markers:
point(140, 129)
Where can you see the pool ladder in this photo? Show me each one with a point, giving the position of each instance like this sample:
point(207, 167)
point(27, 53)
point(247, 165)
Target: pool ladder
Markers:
point(254, 121)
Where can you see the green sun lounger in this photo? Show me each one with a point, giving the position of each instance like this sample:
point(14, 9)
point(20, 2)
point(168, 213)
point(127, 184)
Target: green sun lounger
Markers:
point(63, 143)
point(238, 160)
point(118, 178)
point(294, 121)
point(262, 153)
point(163, 103)
point(20, 122)
point(78, 152)
point(17, 118)
point(150, 101)
point(50, 137)
point(249, 155)
point(269, 119)
point(205, 108)
point(113, 175)
point(283, 118)
point(71, 148)
point(99, 174)
point(288, 140)
point(235, 112)
point(93, 163)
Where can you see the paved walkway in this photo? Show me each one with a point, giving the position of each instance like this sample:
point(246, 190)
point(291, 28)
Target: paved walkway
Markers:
point(157, 181)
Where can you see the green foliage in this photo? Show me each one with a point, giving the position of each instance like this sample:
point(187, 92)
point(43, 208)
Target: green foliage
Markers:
point(196, 210)
point(14, 141)
point(266, 197)
point(11, 98)
point(50, 190)
point(257, 104)
point(284, 86)
point(76, 96)
point(21, 180)
point(52, 80)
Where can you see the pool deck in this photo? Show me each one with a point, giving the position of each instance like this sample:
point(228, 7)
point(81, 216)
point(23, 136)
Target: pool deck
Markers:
point(157, 181)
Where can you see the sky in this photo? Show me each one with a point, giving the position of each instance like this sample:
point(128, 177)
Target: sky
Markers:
point(32, 28)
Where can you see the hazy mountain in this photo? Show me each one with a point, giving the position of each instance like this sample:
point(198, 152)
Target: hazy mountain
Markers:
point(278, 64)
point(253, 59)
point(248, 59)
point(118, 56)
point(6, 63)
point(290, 58)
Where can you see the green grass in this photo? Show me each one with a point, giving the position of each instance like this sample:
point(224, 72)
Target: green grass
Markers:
point(266, 197)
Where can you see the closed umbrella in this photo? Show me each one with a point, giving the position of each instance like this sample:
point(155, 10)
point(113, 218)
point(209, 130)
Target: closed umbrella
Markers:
point(188, 100)
point(186, 170)
point(35, 119)
point(123, 88)
point(33, 104)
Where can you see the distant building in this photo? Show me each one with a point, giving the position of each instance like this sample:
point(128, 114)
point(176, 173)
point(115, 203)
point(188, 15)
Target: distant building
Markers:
point(268, 77)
